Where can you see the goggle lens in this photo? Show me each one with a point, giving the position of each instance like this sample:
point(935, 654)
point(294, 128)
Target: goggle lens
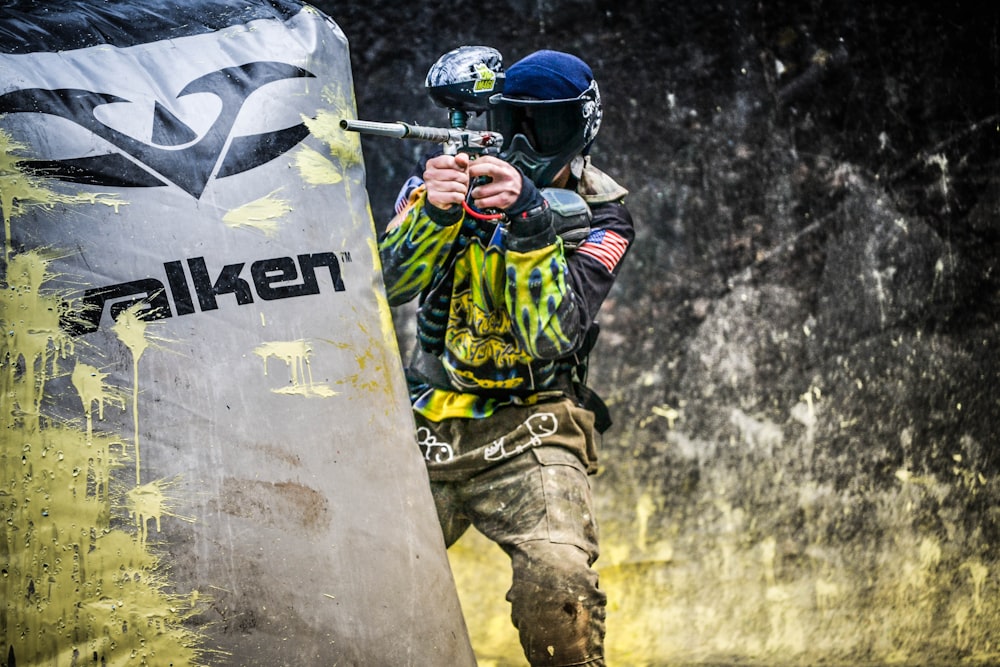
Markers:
point(548, 127)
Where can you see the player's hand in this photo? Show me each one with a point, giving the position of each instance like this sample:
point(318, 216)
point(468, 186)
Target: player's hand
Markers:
point(497, 184)
point(447, 179)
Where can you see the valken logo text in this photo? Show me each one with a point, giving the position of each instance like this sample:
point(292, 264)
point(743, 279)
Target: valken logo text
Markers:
point(270, 279)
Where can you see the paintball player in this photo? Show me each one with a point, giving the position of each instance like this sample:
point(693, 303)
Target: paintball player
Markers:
point(511, 258)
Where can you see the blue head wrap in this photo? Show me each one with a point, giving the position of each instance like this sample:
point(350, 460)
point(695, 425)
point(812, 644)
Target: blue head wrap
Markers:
point(548, 75)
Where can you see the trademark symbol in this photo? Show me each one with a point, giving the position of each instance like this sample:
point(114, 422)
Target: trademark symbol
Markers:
point(345, 256)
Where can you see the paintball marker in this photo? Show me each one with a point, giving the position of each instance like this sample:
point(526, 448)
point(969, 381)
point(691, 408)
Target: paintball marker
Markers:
point(461, 80)
point(454, 139)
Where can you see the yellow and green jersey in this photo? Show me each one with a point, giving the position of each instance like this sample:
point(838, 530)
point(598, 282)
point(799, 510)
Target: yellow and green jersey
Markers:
point(506, 316)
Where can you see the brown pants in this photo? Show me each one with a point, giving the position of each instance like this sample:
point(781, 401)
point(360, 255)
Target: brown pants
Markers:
point(537, 507)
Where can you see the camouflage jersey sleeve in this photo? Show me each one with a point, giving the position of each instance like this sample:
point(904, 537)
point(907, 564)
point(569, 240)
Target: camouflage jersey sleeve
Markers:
point(591, 267)
point(414, 248)
point(554, 294)
point(543, 308)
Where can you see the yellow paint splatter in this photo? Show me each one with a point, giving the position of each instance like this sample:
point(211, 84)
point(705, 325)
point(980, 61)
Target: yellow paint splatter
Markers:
point(90, 385)
point(385, 345)
point(978, 572)
point(768, 551)
point(828, 594)
point(131, 330)
point(296, 355)
point(315, 168)
point(643, 513)
point(76, 582)
point(344, 147)
point(21, 191)
point(668, 413)
point(150, 502)
point(384, 310)
point(376, 364)
point(31, 328)
point(344, 153)
point(262, 214)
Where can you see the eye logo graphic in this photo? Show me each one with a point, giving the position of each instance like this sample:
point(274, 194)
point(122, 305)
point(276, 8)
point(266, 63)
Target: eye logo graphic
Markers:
point(175, 153)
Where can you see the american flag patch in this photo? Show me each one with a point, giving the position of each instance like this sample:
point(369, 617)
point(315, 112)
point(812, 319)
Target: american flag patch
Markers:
point(605, 246)
point(405, 196)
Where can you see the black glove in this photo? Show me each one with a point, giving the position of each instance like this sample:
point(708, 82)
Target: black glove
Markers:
point(443, 216)
point(529, 220)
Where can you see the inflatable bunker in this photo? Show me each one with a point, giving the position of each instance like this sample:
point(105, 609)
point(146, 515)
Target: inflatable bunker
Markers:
point(207, 452)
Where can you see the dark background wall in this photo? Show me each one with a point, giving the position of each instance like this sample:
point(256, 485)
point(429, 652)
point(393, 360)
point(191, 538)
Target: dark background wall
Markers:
point(802, 353)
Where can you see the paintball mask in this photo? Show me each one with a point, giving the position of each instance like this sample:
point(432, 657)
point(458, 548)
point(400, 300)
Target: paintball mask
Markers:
point(543, 126)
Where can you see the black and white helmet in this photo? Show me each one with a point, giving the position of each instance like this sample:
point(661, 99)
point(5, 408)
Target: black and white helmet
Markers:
point(465, 78)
